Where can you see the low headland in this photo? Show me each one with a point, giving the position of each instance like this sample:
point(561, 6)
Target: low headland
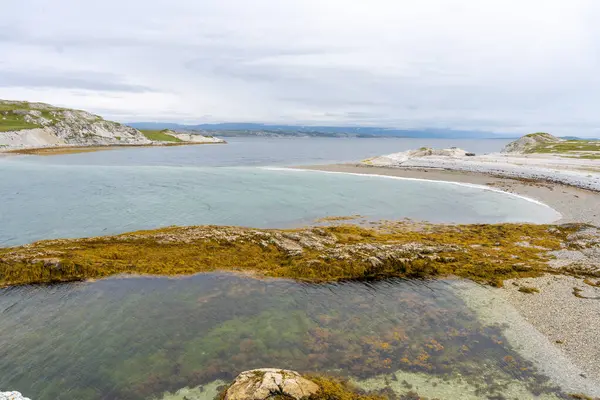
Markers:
point(535, 157)
point(42, 129)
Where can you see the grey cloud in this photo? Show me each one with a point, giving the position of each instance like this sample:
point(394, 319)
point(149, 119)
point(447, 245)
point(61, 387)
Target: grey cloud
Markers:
point(68, 80)
point(380, 62)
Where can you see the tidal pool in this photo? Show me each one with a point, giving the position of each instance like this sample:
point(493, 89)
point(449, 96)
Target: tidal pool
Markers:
point(137, 338)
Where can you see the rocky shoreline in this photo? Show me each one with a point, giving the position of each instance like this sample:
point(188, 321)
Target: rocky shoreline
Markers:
point(581, 173)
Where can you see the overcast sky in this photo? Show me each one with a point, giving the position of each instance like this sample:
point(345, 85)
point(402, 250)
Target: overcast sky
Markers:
point(512, 66)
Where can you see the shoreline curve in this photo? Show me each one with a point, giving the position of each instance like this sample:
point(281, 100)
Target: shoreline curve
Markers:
point(463, 184)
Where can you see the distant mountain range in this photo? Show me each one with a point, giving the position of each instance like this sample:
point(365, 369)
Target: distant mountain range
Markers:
point(254, 129)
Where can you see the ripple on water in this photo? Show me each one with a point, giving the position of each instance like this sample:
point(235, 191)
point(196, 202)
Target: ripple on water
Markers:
point(54, 201)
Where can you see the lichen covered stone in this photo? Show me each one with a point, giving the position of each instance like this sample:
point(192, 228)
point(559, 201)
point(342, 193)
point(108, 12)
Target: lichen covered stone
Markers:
point(268, 383)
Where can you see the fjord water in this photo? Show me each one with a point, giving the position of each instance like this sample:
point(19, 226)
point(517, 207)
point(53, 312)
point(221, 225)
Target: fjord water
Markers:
point(138, 338)
point(129, 189)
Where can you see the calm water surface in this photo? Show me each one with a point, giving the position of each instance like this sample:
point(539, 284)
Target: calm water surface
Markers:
point(123, 190)
point(139, 337)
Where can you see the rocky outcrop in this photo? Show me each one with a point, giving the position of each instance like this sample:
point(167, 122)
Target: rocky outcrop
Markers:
point(32, 125)
point(269, 383)
point(12, 396)
point(423, 152)
point(529, 143)
point(196, 138)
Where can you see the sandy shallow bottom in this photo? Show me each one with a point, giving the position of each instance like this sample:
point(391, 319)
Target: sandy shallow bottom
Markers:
point(575, 205)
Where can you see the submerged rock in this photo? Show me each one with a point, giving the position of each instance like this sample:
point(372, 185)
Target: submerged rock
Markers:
point(268, 383)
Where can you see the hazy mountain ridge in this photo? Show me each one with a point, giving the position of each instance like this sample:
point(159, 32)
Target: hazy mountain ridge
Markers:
point(257, 129)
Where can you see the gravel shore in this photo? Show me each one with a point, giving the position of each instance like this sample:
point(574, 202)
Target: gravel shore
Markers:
point(570, 322)
point(579, 172)
point(522, 318)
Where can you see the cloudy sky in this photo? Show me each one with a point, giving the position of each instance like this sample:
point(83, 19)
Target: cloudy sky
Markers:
point(495, 65)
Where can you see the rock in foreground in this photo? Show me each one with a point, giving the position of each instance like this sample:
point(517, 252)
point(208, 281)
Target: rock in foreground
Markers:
point(12, 396)
point(268, 383)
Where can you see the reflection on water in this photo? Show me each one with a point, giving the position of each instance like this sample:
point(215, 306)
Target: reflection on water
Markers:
point(137, 338)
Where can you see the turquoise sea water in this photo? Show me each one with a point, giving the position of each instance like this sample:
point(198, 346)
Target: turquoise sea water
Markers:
point(116, 191)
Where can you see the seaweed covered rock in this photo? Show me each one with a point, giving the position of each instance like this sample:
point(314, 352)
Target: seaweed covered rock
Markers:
point(269, 383)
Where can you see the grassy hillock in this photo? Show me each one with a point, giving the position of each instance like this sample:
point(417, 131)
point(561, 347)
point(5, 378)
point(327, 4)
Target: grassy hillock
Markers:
point(18, 115)
point(562, 146)
point(160, 136)
point(545, 143)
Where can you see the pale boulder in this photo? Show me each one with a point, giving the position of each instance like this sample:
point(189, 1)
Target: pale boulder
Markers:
point(263, 384)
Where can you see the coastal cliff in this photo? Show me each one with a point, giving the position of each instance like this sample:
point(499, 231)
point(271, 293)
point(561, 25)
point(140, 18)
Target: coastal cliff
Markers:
point(31, 125)
point(25, 125)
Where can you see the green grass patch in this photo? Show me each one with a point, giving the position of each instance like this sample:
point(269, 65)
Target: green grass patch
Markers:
point(587, 156)
point(160, 136)
point(11, 120)
point(16, 106)
point(14, 122)
point(568, 146)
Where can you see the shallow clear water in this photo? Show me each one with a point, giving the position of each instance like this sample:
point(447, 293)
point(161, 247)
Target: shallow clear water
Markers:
point(136, 338)
point(123, 190)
